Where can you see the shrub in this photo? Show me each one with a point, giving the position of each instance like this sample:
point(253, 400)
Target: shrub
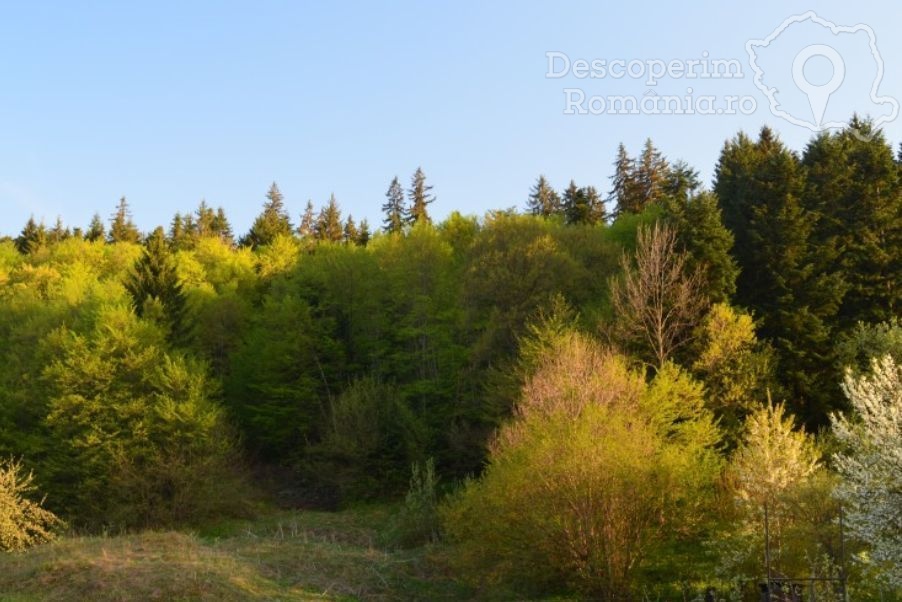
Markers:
point(417, 523)
point(596, 470)
point(23, 522)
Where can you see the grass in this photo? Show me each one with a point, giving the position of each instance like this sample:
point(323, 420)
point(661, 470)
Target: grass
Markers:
point(283, 556)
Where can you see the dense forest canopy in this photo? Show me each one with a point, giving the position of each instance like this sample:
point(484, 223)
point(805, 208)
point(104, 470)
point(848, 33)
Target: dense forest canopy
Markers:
point(145, 375)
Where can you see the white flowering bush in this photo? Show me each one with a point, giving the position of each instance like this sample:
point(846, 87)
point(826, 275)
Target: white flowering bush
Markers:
point(871, 465)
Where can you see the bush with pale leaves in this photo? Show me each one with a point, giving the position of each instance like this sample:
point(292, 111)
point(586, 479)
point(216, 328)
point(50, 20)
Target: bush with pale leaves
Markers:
point(23, 522)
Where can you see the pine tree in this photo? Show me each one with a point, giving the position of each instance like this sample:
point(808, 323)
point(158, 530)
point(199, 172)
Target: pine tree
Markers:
point(543, 200)
point(308, 221)
point(853, 190)
point(222, 228)
point(154, 279)
point(96, 230)
point(205, 219)
point(363, 234)
point(59, 232)
point(177, 235)
point(273, 222)
point(701, 233)
point(395, 212)
point(32, 238)
point(350, 232)
point(122, 229)
point(652, 172)
point(624, 185)
point(759, 185)
point(582, 205)
point(328, 224)
point(420, 198)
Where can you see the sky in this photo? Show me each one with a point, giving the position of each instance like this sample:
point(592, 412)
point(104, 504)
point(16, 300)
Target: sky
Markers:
point(169, 103)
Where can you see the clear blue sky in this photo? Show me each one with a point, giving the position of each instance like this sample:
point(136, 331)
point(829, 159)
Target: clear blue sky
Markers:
point(177, 101)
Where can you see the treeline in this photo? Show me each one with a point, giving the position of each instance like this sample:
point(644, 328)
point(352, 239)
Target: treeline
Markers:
point(140, 372)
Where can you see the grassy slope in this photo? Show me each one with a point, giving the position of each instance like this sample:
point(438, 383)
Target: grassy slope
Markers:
point(286, 556)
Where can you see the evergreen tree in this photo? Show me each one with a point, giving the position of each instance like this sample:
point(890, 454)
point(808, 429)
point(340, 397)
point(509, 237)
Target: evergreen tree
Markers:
point(351, 232)
point(122, 229)
point(177, 235)
point(363, 234)
point(328, 224)
point(582, 205)
point(222, 228)
point(624, 184)
point(308, 221)
point(759, 185)
point(395, 212)
point(96, 230)
point(853, 191)
point(652, 172)
point(543, 200)
point(32, 237)
point(420, 198)
point(701, 232)
point(154, 280)
point(59, 232)
point(205, 219)
point(273, 222)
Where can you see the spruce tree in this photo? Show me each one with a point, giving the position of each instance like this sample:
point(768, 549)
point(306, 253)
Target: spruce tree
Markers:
point(420, 198)
point(853, 191)
point(624, 185)
point(652, 171)
point(222, 228)
point(328, 224)
point(205, 219)
point(350, 231)
point(543, 200)
point(582, 205)
point(177, 235)
point(363, 233)
point(308, 221)
point(394, 209)
point(59, 232)
point(122, 229)
point(759, 185)
point(701, 233)
point(273, 222)
point(32, 237)
point(96, 230)
point(154, 279)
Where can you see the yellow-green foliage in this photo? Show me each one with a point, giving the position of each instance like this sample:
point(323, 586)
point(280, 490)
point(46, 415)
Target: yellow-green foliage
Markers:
point(777, 465)
point(23, 522)
point(596, 469)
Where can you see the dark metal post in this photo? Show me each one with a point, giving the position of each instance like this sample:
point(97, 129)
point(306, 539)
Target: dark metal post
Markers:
point(842, 553)
point(767, 552)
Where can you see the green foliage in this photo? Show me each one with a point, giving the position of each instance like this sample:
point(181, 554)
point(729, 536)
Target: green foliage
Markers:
point(371, 435)
point(777, 467)
point(138, 438)
point(122, 228)
point(420, 197)
point(23, 522)
point(863, 342)
point(587, 423)
point(272, 223)
point(782, 276)
point(155, 281)
point(417, 523)
point(736, 369)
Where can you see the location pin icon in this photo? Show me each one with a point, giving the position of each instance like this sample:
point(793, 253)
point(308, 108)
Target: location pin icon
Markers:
point(818, 96)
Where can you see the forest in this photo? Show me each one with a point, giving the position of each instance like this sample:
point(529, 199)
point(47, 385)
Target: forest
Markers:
point(595, 395)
